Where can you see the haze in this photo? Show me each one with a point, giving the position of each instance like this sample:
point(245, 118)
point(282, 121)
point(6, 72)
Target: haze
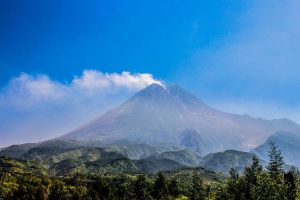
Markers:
point(63, 64)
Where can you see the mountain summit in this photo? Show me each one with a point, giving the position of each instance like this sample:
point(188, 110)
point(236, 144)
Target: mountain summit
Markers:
point(164, 115)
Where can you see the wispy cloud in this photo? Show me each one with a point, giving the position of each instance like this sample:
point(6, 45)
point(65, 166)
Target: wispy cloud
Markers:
point(265, 110)
point(95, 80)
point(35, 107)
point(27, 90)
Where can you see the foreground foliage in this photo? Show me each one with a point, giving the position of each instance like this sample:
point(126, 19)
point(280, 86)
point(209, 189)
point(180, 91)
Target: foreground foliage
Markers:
point(21, 179)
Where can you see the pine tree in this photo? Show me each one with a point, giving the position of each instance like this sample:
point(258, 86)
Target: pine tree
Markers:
point(174, 188)
point(197, 191)
point(252, 171)
point(269, 188)
point(290, 185)
point(141, 188)
point(271, 185)
point(232, 184)
point(250, 176)
point(222, 194)
point(160, 188)
point(275, 166)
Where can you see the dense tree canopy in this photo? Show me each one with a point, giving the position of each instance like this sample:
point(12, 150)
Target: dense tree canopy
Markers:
point(254, 183)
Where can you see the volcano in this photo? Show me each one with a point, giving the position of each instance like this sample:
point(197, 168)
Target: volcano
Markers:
point(172, 116)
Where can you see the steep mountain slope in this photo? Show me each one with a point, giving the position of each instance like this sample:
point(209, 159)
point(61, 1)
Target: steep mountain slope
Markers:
point(224, 161)
point(154, 165)
point(288, 143)
point(185, 157)
point(61, 161)
point(184, 175)
point(163, 115)
point(67, 160)
point(139, 151)
point(21, 167)
point(16, 151)
point(130, 150)
point(191, 139)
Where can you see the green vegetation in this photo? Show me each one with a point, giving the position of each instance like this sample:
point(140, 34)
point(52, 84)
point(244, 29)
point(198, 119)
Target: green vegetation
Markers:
point(19, 182)
point(224, 161)
point(34, 178)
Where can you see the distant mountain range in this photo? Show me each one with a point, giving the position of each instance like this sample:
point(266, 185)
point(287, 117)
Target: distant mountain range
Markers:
point(67, 158)
point(288, 143)
point(163, 128)
point(224, 161)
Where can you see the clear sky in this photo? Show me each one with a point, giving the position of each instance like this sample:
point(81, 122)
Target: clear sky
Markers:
point(63, 63)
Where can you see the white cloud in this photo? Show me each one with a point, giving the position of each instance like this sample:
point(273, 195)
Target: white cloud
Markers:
point(91, 80)
point(35, 107)
point(28, 89)
point(37, 87)
point(128, 80)
point(95, 80)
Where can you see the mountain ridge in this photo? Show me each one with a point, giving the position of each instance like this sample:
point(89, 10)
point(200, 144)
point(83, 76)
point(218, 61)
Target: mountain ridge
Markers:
point(160, 114)
point(287, 142)
point(167, 124)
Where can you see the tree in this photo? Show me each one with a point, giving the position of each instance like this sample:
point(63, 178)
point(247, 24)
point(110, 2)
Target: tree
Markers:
point(271, 184)
point(222, 194)
point(57, 190)
point(141, 188)
point(122, 189)
point(290, 185)
point(252, 171)
point(174, 189)
point(197, 190)
point(160, 188)
point(250, 176)
point(275, 166)
point(268, 188)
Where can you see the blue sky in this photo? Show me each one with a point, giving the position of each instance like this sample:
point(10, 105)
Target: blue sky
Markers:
point(62, 38)
point(63, 63)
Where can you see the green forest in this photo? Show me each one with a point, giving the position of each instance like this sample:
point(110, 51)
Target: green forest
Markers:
point(21, 179)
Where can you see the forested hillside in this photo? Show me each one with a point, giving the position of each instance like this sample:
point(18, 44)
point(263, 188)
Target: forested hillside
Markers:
point(23, 179)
